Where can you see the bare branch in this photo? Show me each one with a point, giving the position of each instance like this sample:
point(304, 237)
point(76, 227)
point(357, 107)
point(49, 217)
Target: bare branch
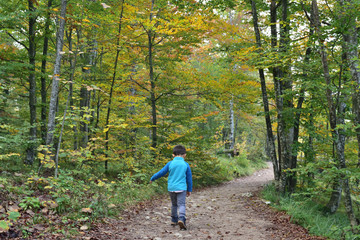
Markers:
point(17, 41)
point(139, 84)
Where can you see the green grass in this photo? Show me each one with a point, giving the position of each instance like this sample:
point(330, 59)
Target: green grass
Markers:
point(311, 215)
point(240, 166)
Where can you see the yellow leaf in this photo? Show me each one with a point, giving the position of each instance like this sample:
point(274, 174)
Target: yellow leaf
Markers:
point(86, 210)
point(101, 183)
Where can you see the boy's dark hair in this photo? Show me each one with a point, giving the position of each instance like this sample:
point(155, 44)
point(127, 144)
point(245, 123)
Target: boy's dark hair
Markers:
point(179, 150)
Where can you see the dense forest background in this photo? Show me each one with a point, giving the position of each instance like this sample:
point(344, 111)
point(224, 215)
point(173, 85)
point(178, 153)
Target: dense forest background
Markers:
point(95, 94)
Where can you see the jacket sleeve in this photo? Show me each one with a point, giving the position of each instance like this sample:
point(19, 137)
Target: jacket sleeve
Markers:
point(161, 173)
point(189, 179)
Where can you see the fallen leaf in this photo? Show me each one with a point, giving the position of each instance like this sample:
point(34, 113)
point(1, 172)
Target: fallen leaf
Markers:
point(13, 208)
point(30, 212)
point(111, 205)
point(4, 226)
point(53, 204)
point(86, 210)
point(84, 228)
point(39, 227)
point(44, 210)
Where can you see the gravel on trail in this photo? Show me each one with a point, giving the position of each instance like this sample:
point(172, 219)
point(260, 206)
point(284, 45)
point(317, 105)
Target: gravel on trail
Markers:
point(232, 210)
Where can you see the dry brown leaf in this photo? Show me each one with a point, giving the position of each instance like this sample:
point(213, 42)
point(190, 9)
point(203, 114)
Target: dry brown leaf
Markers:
point(13, 208)
point(30, 212)
point(53, 204)
point(44, 210)
point(39, 227)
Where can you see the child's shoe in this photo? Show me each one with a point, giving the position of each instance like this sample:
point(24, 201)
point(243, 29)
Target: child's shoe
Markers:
point(182, 225)
point(174, 224)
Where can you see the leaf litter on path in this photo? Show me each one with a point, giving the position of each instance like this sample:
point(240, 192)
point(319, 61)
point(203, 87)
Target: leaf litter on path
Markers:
point(230, 211)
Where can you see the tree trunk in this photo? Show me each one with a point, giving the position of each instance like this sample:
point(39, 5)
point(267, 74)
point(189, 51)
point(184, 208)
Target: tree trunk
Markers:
point(60, 137)
point(31, 149)
point(283, 84)
point(232, 128)
point(351, 39)
point(351, 56)
point(73, 61)
point(43, 73)
point(112, 86)
point(150, 33)
point(84, 98)
point(56, 76)
point(270, 136)
point(279, 87)
point(337, 134)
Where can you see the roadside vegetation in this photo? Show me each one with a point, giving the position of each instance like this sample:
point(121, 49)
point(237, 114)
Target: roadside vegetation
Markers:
point(310, 212)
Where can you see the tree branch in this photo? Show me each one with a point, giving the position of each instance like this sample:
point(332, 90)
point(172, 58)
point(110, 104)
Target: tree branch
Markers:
point(17, 41)
point(139, 84)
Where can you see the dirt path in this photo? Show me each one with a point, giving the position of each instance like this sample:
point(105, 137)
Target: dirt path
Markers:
point(229, 211)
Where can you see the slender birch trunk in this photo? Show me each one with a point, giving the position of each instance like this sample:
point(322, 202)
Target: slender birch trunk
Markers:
point(350, 49)
point(337, 133)
point(56, 76)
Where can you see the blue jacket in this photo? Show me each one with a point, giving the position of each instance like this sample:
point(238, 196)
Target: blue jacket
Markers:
point(180, 178)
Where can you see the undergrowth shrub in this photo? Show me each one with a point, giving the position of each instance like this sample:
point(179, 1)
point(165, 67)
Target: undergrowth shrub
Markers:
point(309, 213)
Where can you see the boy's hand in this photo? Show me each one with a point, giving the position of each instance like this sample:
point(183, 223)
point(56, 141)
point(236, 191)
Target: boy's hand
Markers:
point(150, 182)
point(188, 194)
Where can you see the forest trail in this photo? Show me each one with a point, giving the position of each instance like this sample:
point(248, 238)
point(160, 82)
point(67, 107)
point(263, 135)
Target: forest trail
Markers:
point(229, 211)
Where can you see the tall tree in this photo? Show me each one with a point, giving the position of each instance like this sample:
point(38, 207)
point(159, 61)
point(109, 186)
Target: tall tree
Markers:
point(270, 136)
point(115, 72)
point(56, 76)
point(43, 71)
point(337, 120)
point(31, 150)
point(352, 50)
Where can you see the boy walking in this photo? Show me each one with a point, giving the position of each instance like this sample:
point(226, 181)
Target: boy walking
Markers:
point(179, 184)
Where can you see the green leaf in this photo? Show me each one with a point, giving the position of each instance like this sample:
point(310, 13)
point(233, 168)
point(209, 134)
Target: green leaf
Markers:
point(4, 226)
point(14, 215)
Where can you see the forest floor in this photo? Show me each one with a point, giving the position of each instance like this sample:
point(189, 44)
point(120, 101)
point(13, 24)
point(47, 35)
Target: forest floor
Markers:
point(233, 210)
